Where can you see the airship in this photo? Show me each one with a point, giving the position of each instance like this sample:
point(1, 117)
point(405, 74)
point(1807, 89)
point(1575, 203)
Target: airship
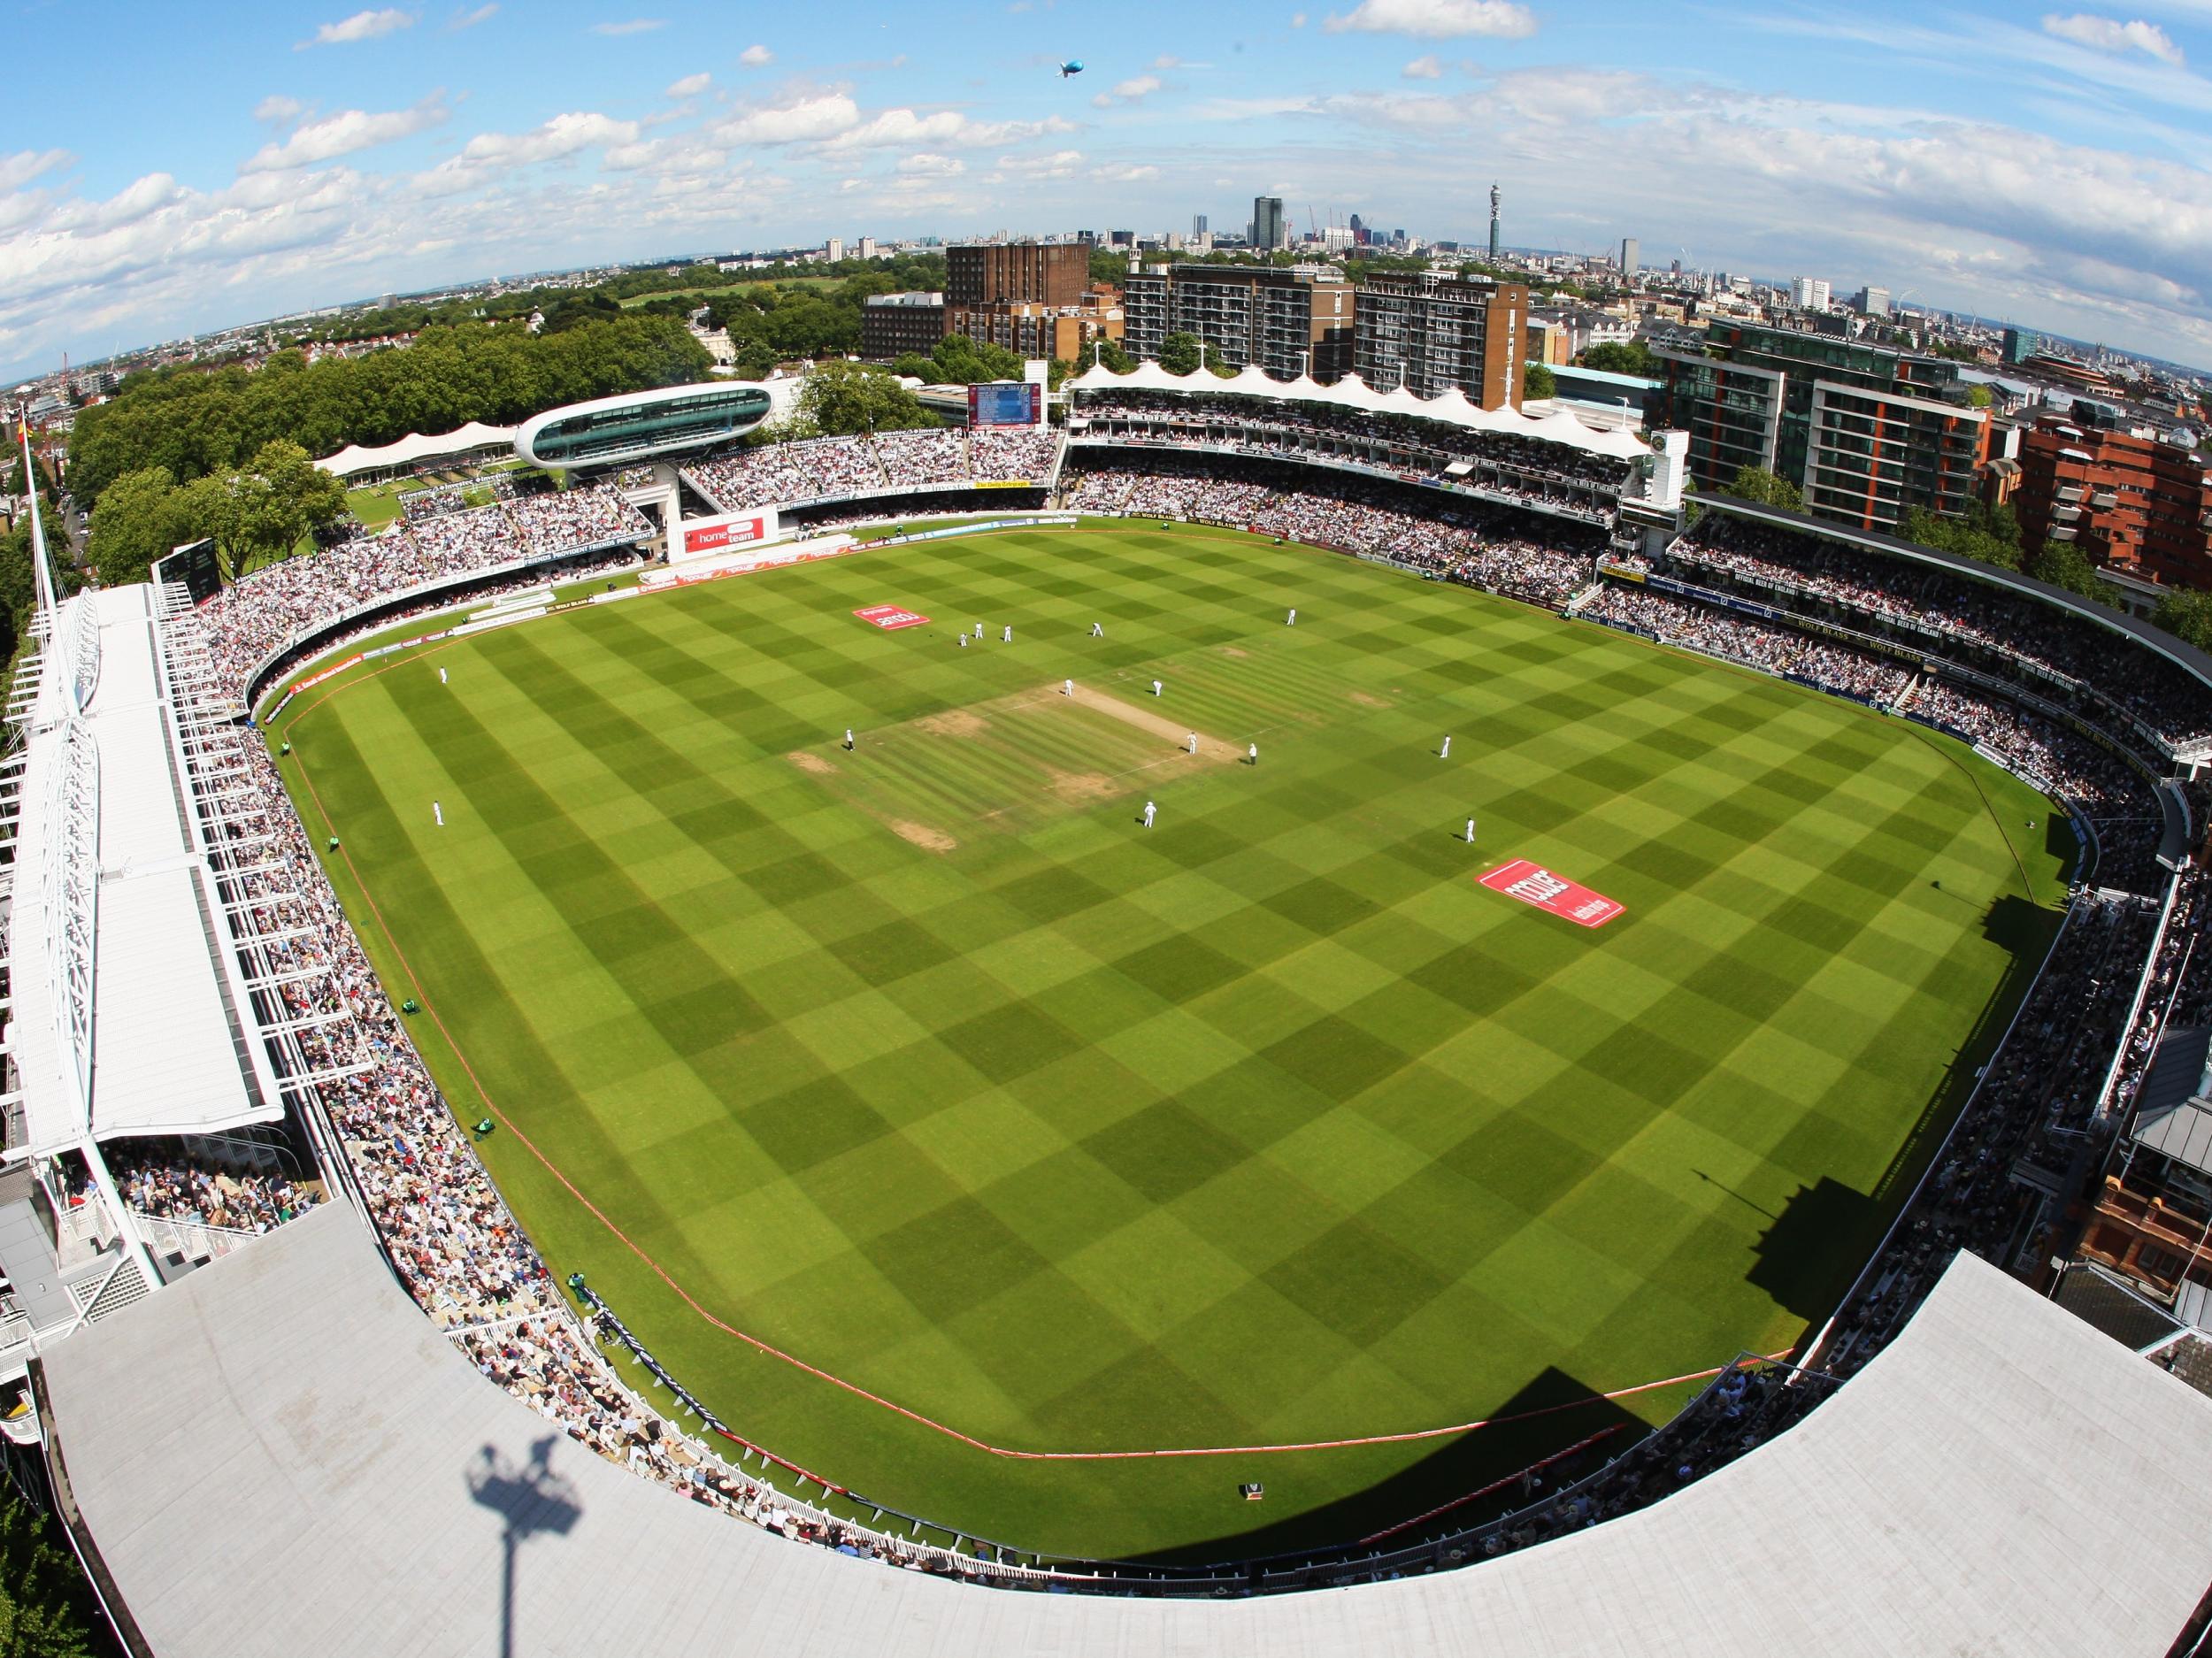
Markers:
point(1073, 67)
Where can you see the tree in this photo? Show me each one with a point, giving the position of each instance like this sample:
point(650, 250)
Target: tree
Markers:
point(1107, 267)
point(135, 522)
point(2186, 613)
point(45, 1606)
point(1612, 358)
point(1538, 382)
point(1988, 534)
point(1179, 353)
point(1978, 397)
point(282, 496)
point(1113, 358)
point(1755, 483)
point(839, 398)
point(960, 361)
point(2063, 564)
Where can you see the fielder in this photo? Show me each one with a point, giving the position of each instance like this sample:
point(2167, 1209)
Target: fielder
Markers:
point(1098, 630)
point(1156, 687)
point(979, 630)
point(438, 812)
point(1007, 636)
point(1148, 810)
point(1291, 620)
point(1067, 687)
point(1444, 753)
point(1193, 742)
point(963, 641)
point(1471, 832)
point(441, 676)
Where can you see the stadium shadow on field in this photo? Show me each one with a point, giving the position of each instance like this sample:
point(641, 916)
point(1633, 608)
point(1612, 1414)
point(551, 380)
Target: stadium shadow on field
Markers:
point(1456, 1469)
point(1807, 1256)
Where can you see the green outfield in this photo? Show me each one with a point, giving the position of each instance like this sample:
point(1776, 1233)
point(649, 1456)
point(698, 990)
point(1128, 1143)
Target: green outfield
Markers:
point(928, 1065)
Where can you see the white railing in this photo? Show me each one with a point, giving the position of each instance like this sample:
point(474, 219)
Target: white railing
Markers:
point(72, 878)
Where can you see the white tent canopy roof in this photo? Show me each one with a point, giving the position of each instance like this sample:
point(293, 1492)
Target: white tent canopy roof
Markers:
point(1453, 408)
point(415, 448)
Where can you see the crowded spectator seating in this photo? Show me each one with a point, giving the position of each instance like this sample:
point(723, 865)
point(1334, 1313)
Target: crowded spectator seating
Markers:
point(172, 1181)
point(841, 469)
point(2095, 670)
point(252, 621)
point(1544, 476)
point(1448, 538)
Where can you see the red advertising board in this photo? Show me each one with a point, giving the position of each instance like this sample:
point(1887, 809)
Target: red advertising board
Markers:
point(711, 535)
point(1534, 885)
point(889, 617)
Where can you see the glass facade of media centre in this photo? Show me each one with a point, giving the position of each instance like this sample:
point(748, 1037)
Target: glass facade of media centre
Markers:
point(646, 426)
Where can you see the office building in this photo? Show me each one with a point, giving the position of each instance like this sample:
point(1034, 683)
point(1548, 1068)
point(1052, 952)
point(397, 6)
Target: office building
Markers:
point(1025, 272)
point(1864, 432)
point(892, 324)
point(2134, 501)
point(1430, 333)
point(1269, 231)
point(1287, 322)
point(1809, 294)
point(1632, 257)
point(1873, 302)
point(1198, 224)
point(2019, 347)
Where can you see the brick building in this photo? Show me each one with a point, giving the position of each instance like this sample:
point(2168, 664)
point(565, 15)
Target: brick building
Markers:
point(2129, 500)
point(1287, 322)
point(1052, 274)
point(892, 324)
point(1430, 334)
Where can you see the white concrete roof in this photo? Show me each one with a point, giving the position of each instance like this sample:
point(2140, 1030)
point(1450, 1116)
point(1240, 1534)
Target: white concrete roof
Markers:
point(1351, 392)
point(415, 448)
point(280, 1455)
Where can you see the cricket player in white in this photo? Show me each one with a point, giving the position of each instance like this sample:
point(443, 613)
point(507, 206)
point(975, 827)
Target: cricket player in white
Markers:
point(849, 736)
point(1007, 636)
point(438, 812)
point(1444, 753)
point(979, 630)
point(1471, 832)
point(441, 679)
point(963, 641)
point(1156, 687)
point(1254, 757)
point(1291, 620)
point(1193, 742)
point(1148, 810)
point(1098, 630)
point(1067, 687)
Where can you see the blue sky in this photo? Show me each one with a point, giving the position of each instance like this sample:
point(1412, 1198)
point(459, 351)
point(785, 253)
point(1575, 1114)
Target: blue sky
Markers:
point(175, 168)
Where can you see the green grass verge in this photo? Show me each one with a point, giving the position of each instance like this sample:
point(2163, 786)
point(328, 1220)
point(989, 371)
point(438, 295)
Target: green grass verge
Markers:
point(927, 1064)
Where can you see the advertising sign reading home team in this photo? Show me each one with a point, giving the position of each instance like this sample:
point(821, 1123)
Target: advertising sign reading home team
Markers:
point(730, 529)
point(1534, 885)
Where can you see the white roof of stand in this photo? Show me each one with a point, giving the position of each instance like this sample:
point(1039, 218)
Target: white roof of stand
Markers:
point(166, 1058)
point(1351, 392)
point(415, 448)
point(318, 1453)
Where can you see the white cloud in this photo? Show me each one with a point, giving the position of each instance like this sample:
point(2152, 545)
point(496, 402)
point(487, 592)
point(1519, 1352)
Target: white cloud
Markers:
point(2110, 34)
point(1297, 19)
point(470, 19)
point(630, 26)
point(549, 142)
point(690, 86)
point(1061, 164)
point(329, 137)
point(1129, 91)
point(362, 26)
point(807, 118)
point(278, 108)
point(1423, 68)
point(1437, 19)
point(924, 165)
point(1120, 173)
point(19, 169)
point(755, 57)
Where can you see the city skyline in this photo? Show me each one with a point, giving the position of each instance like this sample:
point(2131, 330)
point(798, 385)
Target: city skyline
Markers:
point(310, 157)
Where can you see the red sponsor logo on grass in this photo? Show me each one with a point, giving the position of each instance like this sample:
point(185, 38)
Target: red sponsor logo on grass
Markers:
point(890, 616)
point(1533, 884)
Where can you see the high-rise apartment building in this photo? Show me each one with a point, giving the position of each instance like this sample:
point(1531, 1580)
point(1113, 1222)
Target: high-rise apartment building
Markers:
point(1198, 224)
point(1864, 432)
point(2129, 499)
point(1430, 333)
point(1809, 293)
point(1286, 322)
point(1028, 273)
point(1632, 257)
point(1269, 230)
point(834, 250)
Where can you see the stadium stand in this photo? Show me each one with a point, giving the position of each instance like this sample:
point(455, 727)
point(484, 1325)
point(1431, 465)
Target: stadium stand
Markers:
point(1946, 1468)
